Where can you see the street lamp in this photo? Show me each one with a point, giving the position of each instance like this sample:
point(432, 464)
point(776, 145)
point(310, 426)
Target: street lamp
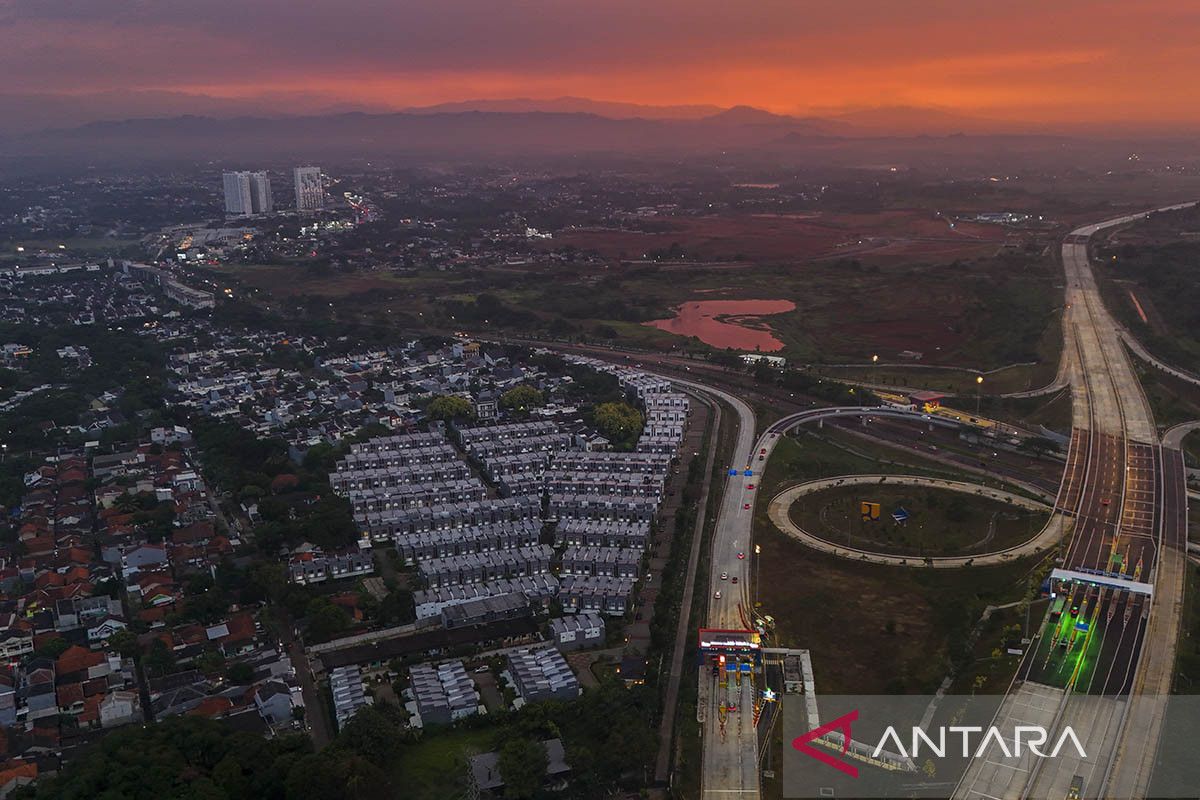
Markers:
point(757, 561)
point(978, 393)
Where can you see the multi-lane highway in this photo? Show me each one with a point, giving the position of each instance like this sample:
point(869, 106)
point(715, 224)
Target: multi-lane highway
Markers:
point(725, 707)
point(1111, 630)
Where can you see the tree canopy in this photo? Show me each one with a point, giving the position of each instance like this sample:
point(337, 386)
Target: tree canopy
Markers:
point(448, 407)
point(522, 763)
point(522, 399)
point(184, 757)
point(620, 422)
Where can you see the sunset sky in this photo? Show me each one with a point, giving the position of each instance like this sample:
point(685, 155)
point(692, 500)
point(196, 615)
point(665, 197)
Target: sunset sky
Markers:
point(1066, 61)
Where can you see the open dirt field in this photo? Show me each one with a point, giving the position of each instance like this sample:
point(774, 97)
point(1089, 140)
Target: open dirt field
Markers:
point(861, 284)
point(793, 238)
point(291, 281)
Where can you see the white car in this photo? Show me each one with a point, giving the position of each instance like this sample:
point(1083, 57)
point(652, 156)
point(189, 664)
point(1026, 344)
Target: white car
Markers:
point(724, 576)
point(717, 594)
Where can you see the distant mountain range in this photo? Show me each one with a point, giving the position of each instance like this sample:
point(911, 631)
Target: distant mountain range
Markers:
point(25, 113)
point(572, 105)
point(443, 133)
point(562, 127)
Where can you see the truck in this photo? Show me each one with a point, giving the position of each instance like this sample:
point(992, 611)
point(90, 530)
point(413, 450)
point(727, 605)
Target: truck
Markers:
point(1056, 609)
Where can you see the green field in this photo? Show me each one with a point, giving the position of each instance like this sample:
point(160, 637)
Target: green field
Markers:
point(942, 522)
point(810, 456)
point(1187, 660)
point(436, 766)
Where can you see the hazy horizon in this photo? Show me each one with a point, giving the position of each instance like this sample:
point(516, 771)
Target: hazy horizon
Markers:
point(1072, 67)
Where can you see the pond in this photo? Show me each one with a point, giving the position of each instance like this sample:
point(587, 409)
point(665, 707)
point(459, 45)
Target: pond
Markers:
point(727, 323)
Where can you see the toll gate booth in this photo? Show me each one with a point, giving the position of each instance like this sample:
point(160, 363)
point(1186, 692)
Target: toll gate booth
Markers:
point(730, 650)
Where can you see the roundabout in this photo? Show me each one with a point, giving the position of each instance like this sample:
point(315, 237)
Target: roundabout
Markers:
point(781, 513)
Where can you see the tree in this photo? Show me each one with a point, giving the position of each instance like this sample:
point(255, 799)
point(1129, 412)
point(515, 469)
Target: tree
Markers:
point(396, 608)
point(211, 663)
point(322, 457)
point(228, 775)
point(522, 399)
point(159, 660)
point(263, 581)
point(184, 757)
point(372, 734)
point(619, 422)
point(335, 774)
point(240, 673)
point(124, 642)
point(522, 764)
point(53, 648)
point(448, 407)
point(325, 620)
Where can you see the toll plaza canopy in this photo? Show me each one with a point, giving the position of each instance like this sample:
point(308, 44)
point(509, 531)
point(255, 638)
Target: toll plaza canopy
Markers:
point(717, 640)
point(1101, 579)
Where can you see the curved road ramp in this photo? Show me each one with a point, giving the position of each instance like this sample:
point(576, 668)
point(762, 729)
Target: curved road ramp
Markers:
point(780, 507)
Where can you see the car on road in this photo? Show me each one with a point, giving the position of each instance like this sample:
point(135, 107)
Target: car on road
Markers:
point(746, 506)
point(724, 576)
point(733, 579)
point(1104, 501)
point(763, 450)
point(761, 457)
point(741, 555)
point(750, 486)
point(717, 594)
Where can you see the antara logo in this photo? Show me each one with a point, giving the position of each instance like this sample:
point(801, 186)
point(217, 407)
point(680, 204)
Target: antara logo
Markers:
point(1031, 737)
point(842, 723)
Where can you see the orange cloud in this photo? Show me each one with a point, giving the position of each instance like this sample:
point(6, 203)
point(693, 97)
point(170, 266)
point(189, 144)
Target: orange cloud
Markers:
point(1071, 61)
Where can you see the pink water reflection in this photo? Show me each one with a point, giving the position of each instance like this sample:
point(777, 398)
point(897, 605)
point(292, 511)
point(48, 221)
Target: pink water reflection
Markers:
point(727, 323)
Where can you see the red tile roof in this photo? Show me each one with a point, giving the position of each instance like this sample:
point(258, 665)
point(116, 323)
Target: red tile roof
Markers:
point(91, 708)
point(25, 771)
point(212, 707)
point(69, 694)
point(76, 658)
